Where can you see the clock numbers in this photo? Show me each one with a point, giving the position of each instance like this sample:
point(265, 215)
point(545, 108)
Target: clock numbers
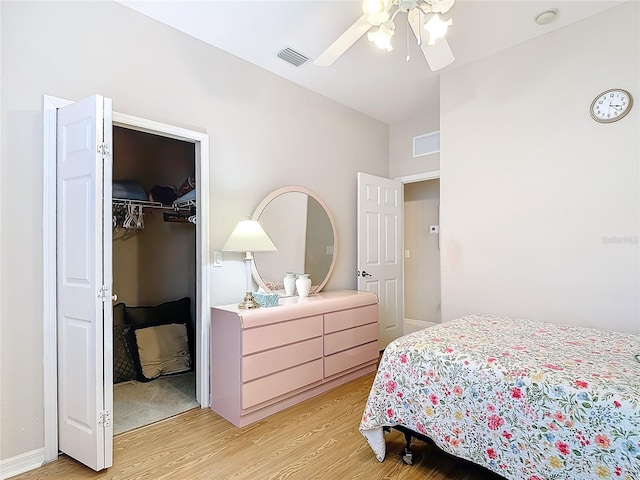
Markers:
point(611, 105)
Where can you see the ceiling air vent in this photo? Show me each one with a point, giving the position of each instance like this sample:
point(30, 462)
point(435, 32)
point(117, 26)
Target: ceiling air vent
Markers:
point(293, 57)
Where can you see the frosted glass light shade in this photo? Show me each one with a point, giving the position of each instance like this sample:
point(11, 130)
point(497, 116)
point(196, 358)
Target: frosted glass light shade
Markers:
point(249, 236)
point(437, 28)
point(382, 36)
point(376, 11)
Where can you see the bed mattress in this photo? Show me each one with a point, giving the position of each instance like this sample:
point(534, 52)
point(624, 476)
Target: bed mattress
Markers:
point(527, 400)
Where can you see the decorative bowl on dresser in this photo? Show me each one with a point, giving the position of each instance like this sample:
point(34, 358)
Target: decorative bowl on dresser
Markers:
point(268, 359)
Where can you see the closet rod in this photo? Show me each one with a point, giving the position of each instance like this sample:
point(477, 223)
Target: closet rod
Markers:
point(185, 204)
point(118, 202)
point(123, 202)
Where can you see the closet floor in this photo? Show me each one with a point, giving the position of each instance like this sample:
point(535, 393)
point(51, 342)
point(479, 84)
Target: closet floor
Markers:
point(136, 404)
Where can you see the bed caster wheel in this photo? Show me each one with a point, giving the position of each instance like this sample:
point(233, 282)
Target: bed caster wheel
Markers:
point(407, 457)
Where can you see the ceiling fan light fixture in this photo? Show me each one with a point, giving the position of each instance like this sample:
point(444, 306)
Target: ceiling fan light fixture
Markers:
point(382, 36)
point(376, 11)
point(377, 22)
point(437, 28)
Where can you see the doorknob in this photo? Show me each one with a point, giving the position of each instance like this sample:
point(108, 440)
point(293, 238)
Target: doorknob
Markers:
point(364, 274)
point(114, 297)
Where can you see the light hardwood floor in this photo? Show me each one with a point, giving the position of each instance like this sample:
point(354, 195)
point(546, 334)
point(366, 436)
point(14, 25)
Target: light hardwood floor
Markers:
point(317, 439)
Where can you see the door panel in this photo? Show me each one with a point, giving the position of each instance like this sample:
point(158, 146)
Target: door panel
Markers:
point(84, 307)
point(380, 249)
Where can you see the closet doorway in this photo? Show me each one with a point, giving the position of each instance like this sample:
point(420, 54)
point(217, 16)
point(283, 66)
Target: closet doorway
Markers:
point(200, 304)
point(154, 269)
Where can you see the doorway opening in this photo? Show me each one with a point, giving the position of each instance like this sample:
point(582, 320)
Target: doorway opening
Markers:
point(422, 307)
point(384, 254)
point(421, 240)
point(154, 276)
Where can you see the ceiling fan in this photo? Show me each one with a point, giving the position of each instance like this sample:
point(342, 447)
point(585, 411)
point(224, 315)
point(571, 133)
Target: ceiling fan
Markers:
point(377, 20)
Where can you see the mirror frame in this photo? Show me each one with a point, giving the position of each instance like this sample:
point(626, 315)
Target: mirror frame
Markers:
point(261, 207)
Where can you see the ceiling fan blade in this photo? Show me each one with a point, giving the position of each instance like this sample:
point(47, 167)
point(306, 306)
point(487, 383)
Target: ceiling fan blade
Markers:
point(439, 55)
point(343, 42)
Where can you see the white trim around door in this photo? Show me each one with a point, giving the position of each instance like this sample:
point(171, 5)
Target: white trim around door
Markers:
point(419, 177)
point(201, 141)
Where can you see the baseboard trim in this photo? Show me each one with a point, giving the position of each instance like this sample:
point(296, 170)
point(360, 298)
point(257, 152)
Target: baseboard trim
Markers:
point(10, 467)
point(410, 325)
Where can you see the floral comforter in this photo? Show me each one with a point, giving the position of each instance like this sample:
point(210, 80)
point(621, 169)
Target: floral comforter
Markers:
point(527, 400)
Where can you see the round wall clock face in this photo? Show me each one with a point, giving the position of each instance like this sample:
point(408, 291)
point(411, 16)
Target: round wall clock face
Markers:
point(611, 105)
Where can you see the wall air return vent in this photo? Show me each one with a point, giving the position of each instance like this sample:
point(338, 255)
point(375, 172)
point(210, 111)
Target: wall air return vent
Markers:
point(294, 58)
point(426, 144)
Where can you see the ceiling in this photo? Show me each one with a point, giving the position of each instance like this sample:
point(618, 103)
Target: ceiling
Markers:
point(380, 84)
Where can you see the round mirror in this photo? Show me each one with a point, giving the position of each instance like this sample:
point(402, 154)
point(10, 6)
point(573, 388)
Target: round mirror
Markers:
point(303, 231)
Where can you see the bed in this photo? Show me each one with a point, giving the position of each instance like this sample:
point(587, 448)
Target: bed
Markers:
point(527, 400)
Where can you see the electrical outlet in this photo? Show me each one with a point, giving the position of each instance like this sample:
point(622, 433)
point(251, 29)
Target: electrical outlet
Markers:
point(407, 254)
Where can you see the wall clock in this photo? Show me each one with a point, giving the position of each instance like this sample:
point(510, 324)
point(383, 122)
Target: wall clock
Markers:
point(611, 105)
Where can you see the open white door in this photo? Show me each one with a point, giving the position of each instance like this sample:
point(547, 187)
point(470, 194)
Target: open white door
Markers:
point(84, 279)
point(380, 249)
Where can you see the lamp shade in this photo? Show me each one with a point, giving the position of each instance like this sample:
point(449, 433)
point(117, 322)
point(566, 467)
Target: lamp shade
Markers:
point(249, 236)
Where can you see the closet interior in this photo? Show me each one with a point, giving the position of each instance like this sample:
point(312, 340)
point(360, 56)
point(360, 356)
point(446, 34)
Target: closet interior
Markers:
point(154, 277)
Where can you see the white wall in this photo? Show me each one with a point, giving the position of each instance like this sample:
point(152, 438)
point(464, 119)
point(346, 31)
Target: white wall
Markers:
point(264, 133)
point(401, 161)
point(532, 187)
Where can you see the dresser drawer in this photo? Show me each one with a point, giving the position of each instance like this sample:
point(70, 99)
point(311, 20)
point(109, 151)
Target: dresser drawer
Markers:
point(350, 358)
point(278, 334)
point(336, 321)
point(271, 361)
point(345, 339)
point(267, 388)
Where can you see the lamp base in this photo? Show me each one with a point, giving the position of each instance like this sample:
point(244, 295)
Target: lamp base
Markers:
point(248, 302)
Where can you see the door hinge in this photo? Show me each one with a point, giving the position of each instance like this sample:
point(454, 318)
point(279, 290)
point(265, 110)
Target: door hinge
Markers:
point(104, 419)
point(103, 293)
point(104, 150)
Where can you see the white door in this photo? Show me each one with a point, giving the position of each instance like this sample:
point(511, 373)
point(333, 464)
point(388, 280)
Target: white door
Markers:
point(84, 278)
point(380, 249)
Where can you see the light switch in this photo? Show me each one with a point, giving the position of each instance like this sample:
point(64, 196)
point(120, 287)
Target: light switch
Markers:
point(434, 228)
point(407, 254)
point(217, 259)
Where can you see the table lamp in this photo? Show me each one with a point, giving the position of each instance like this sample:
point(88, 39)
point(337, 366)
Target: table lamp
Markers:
point(249, 237)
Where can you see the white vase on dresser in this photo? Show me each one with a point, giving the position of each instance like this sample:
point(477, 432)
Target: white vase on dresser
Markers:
point(303, 285)
point(289, 284)
point(267, 359)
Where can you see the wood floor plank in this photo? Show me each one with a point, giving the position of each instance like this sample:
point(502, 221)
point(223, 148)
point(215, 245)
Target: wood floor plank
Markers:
point(315, 440)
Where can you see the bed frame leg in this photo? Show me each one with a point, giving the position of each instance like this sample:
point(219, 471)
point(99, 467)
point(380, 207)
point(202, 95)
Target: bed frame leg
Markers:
point(407, 456)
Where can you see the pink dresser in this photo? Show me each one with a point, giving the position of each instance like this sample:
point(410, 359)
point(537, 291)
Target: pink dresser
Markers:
point(267, 359)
